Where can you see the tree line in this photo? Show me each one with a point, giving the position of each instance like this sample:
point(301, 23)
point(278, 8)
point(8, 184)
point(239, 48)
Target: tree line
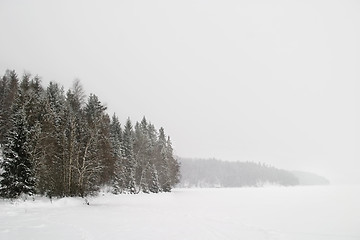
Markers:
point(216, 173)
point(58, 144)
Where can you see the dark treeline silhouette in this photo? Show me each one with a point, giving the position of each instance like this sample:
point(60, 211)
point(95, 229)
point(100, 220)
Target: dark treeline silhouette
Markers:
point(216, 173)
point(59, 143)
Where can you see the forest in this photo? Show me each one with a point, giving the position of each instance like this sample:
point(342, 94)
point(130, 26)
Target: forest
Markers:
point(217, 173)
point(61, 143)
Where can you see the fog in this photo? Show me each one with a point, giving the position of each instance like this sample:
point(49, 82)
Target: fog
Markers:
point(274, 82)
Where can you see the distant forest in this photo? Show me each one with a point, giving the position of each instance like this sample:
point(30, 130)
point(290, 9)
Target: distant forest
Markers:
point(216, 173)
point(63, 143)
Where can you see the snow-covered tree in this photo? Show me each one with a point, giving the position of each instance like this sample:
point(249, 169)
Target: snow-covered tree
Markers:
point(116, 137)
point(142, 155)
point(72, 146)
point(75, 100)
point(9, 88)
point(118, 176)
point(154, 180)
point(174, 165)
point(90, 164)
point(129, 160)
point(163, 163)
point(17, 176)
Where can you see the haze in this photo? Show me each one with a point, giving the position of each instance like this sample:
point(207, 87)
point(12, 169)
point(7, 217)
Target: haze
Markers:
point(265, 81)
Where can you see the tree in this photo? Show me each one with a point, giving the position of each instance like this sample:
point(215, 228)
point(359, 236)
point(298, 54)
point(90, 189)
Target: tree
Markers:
point(8, 93)
point(174, 165)
point(129, 160)
point(60, 145)
point(31, 95)
point(73, 134)
point(116, 137)
point(95, 144)
point(118, 177)
point(142, 155)
point(154, 180)
point(17, 175)
point(163, 162)
point(51, 169)
point(153, 177)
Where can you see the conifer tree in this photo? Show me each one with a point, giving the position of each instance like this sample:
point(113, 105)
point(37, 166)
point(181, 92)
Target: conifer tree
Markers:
point(17, 175)
point(118, 179)
point(72, 136)
point(129, 160)
point(116, 137)
point(174, 165)
point(163, 163)
point(60, 145)
point(9, 90)
point(143, 155)
point(53, 142)
point(154, 180)
point(104, 154)
point(3, 86)
point(31, 95)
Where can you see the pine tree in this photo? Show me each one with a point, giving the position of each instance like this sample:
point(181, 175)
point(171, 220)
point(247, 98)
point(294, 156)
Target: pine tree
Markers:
point(17, 175)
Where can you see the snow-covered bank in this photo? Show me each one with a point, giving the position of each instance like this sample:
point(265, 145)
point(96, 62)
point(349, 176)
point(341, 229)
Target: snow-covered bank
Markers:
point(326, 212)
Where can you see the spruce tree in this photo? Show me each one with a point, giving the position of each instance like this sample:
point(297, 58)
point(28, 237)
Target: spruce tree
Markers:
point(32, 95)
point(154, 180)
point(129, 163)
point(116, 137)
point(61, 145)
point(52, 169)
point(17, 175)
point(142, 155)
point(163, 163)
point(3, 85)
point(9, 90)
point(153, 177)
point(118, 179)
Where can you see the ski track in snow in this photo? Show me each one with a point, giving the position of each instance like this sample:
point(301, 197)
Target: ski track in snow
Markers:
point(274, 213)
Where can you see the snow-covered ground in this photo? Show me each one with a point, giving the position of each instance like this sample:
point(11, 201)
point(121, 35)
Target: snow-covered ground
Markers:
point(291, 213)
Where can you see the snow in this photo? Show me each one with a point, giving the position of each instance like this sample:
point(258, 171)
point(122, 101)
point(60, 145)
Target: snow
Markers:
point(319, 213)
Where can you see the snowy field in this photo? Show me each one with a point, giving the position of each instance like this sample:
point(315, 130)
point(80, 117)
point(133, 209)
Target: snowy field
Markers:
point(291, 213)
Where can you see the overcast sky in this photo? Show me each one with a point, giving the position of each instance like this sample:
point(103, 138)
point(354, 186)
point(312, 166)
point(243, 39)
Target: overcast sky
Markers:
point(255, 80)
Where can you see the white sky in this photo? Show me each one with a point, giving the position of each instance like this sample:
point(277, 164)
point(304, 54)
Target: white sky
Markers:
point(255, 80)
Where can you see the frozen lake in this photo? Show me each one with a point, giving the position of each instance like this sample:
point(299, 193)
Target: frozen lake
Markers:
point(289, 213)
